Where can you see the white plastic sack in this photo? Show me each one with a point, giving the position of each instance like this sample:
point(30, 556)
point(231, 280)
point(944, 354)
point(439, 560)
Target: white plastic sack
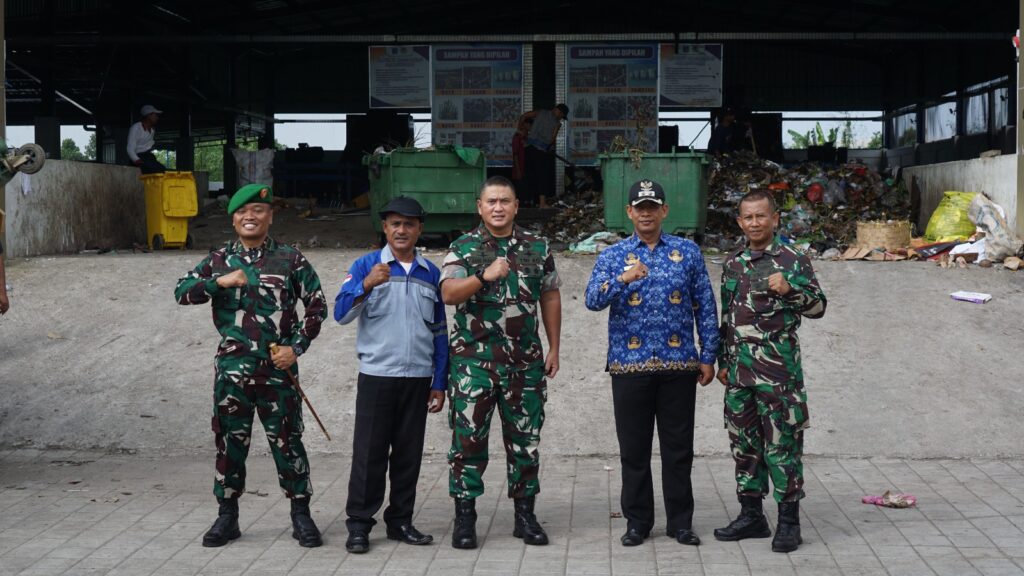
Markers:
point(1000, 242)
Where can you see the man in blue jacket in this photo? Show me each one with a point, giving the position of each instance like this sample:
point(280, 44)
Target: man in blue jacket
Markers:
point(403, 367)
point(658, 289)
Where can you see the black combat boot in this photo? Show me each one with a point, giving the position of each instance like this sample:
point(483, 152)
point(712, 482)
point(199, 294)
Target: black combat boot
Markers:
point(464, 533)
point(751, 523)
point(527, 526)
point(225, 527)
point(303, 528)
point(787, 533)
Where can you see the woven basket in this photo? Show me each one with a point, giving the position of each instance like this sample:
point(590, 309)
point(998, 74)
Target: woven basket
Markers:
point(883, 235)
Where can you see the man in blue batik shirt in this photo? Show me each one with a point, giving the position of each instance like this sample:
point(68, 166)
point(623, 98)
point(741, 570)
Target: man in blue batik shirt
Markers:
point(403, 372)
point(658, 289)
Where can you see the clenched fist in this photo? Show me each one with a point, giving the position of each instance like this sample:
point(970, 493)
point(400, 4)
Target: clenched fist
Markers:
point(233, 280)
point(777, 283)
point(378, 275)
point(497, 270)
point(638, 271)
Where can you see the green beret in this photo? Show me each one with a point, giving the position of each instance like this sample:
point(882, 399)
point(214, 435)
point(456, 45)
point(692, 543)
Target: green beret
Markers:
point(250, 193)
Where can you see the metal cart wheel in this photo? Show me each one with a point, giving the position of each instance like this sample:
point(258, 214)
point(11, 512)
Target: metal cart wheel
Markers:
point(36, 158)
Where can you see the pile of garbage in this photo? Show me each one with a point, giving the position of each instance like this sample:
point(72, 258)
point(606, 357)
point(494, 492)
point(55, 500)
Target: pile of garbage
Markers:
point(577, 217)
point(819, 205)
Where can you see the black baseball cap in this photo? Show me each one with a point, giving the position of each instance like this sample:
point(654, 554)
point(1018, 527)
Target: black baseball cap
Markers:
point(646, 191)
point(564, 109)
point(405, 206)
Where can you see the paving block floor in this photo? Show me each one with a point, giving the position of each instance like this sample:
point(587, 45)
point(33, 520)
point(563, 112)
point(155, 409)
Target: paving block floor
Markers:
point(87, 513)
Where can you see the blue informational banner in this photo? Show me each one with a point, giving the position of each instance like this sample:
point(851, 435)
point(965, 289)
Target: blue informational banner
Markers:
point(478, 97)
point(612, 94)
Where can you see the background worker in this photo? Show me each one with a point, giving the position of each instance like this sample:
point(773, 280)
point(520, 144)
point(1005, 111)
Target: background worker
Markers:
point(658, 289)
point(142, 140)
point(254, 285)
point(729, 136)
point(539, 174)
point(497, 277)
point(402, 345)
point(766, 288)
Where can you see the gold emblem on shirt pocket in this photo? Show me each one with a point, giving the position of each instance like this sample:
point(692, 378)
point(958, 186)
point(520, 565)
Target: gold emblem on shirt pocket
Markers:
point(635, 299)
point(675, 297)
point(634, 342)
point(674, 341)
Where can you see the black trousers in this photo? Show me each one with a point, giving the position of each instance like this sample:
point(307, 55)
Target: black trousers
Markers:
point(391, 414)
point(639, 402)
point(150, 165)
point(538, 176)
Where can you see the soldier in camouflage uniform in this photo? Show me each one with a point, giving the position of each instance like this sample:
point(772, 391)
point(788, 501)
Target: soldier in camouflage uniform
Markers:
point(254, 284)
point(496, 276)
point(766, 288)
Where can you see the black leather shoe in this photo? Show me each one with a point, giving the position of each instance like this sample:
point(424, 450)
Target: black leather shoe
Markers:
point(358, 542)
point(634, 537)
point(303, 528)
point(409, 534)
point(225, 527)
point(685, 536)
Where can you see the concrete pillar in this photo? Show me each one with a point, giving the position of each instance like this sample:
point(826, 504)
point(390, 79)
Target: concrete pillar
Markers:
point(230, 168)
point(185, 151)
point(47, 135)
point(270, 107)
point(1019, 114)
point(3, 108)
point(3, 81)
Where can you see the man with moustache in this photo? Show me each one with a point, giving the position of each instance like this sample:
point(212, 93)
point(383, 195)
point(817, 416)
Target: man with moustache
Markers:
point(402, 346)
point(658, 290)
point(766, 288)
point(254, 284)
point(497, 276)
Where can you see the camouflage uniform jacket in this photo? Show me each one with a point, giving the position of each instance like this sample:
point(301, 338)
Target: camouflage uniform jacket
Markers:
point(249, 318)
point(498, 325)
point(759, 344)
point(652, 320)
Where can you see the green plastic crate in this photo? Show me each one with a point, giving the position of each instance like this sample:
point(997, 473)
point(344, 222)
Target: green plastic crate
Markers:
point(683, 175)
point(440, 179)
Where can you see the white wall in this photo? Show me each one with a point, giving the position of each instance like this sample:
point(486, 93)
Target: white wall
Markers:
point(996, 177)
point(69, 206)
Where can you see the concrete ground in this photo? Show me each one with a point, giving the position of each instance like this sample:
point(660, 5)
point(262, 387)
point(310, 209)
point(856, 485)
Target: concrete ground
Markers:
point(83, 513)
point(106, 453)
point(95, 354)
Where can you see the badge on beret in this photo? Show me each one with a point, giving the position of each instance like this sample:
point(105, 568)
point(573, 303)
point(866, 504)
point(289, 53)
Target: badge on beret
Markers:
point(646, 189)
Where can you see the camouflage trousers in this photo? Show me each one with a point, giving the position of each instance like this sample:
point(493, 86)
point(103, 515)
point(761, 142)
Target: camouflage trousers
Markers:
point(244, 387)
point(766, 425)
point(475, 390)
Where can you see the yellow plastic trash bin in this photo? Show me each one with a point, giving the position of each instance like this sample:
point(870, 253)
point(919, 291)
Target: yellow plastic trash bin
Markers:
point(170, 202)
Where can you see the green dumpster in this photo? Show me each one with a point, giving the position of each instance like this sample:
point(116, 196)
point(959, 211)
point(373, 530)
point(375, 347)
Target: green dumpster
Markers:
point(444, 180)
point(683, 175)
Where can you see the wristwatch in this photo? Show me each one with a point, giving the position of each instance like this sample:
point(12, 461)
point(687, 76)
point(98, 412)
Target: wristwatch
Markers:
point(480, 276)
point(297, 349)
